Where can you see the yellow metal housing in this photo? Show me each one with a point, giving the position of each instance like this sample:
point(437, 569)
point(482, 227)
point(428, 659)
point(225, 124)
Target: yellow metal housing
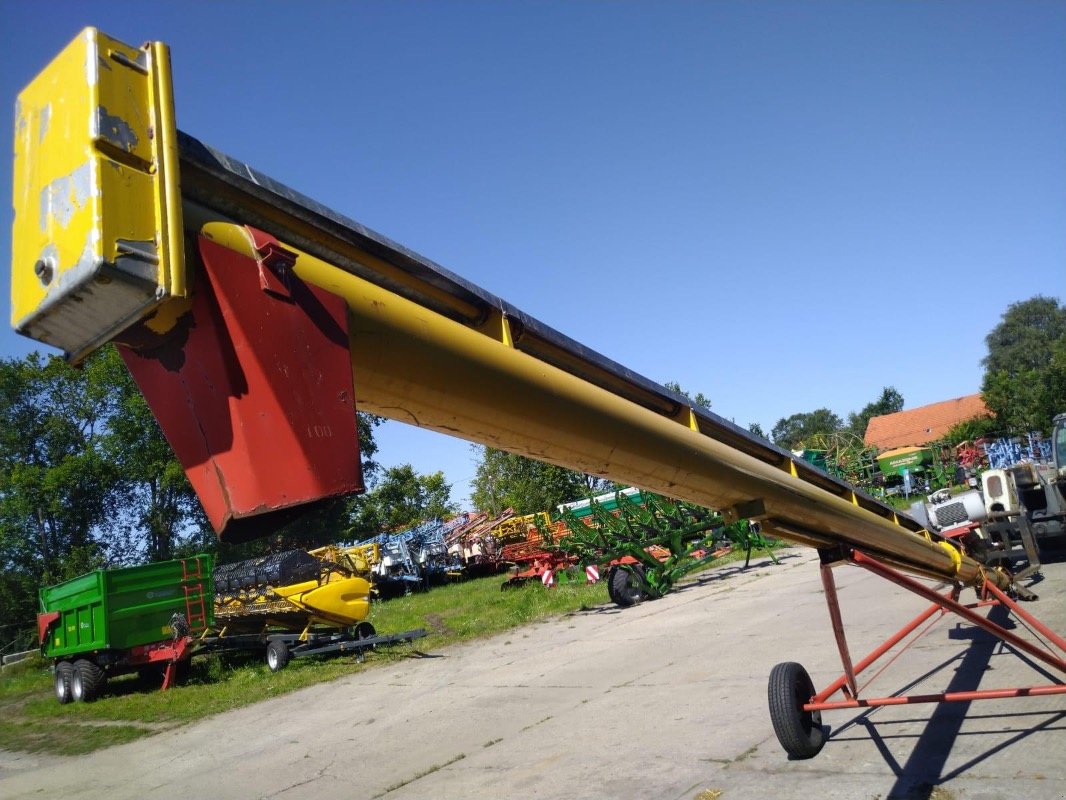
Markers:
point(96, 241)
point(340, 601)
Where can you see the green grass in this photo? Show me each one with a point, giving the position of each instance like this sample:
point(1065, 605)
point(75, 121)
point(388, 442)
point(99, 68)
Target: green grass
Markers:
point(35, 722)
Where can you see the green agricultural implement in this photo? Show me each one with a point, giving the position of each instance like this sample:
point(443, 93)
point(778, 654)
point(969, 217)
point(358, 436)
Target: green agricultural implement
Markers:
point(843, 455)
point(650, 541)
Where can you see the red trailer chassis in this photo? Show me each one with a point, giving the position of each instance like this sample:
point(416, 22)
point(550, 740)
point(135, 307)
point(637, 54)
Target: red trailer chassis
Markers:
point(795, 707)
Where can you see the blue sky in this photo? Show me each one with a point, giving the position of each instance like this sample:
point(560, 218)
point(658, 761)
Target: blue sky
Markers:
point(784, 206)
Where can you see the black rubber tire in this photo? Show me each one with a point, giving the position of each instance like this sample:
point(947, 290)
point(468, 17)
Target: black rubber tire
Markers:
point(610, 583)
point(277, 655)
point(799, 732)
point(625, 585)
point(87, 681)
point(63, 673)
point(365, 630)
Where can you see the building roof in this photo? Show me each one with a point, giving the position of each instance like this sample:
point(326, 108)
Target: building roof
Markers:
point(922, 425)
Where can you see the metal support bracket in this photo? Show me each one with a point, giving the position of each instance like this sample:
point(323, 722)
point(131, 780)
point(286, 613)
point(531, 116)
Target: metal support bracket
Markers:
point(275, 264)
point(847, 684)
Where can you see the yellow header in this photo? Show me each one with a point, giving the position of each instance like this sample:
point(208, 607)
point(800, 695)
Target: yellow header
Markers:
point(96, 242)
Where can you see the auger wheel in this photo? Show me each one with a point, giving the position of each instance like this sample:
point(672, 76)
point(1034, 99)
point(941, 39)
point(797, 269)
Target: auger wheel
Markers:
point(799, 732)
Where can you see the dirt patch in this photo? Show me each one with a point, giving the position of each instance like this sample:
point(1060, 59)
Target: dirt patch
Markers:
point(436, 623)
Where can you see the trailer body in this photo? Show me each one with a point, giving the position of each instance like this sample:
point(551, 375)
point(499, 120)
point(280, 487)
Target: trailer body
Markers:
point(112, 621)
point(118, 609)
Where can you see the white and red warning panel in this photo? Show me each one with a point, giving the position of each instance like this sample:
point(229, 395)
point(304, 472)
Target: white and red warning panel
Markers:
point(592, 572)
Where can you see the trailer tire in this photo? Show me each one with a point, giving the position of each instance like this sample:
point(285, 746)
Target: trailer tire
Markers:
point(625, 586)
point(365, 630)
point(277, 655)
point(64, 672)
point(799, 732)
point(87, 681)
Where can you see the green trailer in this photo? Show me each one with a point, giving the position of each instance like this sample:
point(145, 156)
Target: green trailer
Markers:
point(111, 621)
point(909, 459)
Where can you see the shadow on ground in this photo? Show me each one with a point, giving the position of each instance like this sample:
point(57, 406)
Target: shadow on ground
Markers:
point(925, 768)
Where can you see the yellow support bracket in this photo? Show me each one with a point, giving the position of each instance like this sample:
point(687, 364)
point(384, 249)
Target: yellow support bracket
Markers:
point(956, 556)
point(505, 331)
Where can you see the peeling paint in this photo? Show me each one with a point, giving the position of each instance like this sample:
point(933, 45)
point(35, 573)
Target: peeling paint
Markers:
point(115, 129)
point(20, 123)
point(87, 261)
point(46, 116)
point(63, 196)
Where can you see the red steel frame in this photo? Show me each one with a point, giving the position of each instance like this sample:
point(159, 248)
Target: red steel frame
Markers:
point(167, 654)
point(847, 684)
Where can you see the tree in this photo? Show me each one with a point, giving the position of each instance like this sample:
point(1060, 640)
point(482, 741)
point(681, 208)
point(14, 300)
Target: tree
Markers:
point(889, 402)
point(1024, 384)
point(790, 432)
point(970, 429)
point(400, 500)
point(756, 429)
point(368, 448)
point(1024, 335)
point(700, 400)
point(157, 503)
point(56, 486)
point(505, 480)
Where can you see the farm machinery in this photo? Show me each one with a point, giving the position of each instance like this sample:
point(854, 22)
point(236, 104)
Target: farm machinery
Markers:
point(255, 321)
point(649, 542)
point(141, 619)
point(475, 542)
point(415, 558)
point(153, 619)
point(643, 542)
point(1016, 510)
point(295, 589)
point(299, 603)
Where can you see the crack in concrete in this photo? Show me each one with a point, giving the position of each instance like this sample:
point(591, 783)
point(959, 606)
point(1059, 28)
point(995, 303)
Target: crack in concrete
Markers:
point(321, 773)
